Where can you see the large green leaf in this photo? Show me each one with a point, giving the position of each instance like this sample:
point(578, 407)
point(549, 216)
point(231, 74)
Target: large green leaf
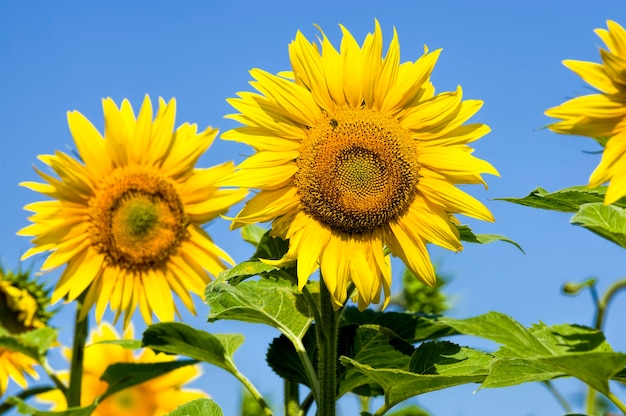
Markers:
point(198, 407)
point(448, 365)
point(411, 327)
point(608, 221)
point(283, 359)
point(372, 345)
point(123, 375)
point(276, 303)
point(564, 200)
point(246, 269)
point(543, 352)
point(180, 339)
point(506, 372)
point(502, 329)
point(468, 236)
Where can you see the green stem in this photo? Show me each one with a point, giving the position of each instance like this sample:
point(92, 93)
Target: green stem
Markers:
point(327, 330)
point(306, 404)
point(25, 394)
point(292, 398)
point(558, 396)
point(81, 327)
point(617, 402)
point(382, 410)
point(602, 306)
point(52, 374)
point(250, 387)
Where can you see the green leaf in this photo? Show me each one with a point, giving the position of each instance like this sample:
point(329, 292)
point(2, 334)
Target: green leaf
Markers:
point(25, 394)
point(247, 269)
point(512, 371)
point(13, 343)
point(468, 236)
point(198, 407)
point(284, 361)
point(608, 221)
point(271, 247)
point(180, 339)
point(411, 327)
point(127, 344)
point(452, 365)
point(502, 329)
point(253, 234)
point(564, 200)
point(42, 339)
point(26, 409)
point(410, 411)
point(278, 304)
point(543, 352)
point(123, 375)
point(33, 343)
point(372, 345)
point(267, 248)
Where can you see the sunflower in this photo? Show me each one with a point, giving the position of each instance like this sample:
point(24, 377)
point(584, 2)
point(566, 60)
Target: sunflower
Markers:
point(154, 397)
point(126, 218)
point(354, 153)
point(22, 308)
point(601, 115)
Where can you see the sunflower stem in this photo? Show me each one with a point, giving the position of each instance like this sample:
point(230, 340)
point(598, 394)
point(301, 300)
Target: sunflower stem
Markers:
point(327, 330)
point(254, 392)
point(292, 398)
point(52, 374)
point(558, 396)
point(601, 307)
point(81, 327)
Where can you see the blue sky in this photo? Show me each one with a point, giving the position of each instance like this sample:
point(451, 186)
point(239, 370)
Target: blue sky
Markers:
point(60, 56)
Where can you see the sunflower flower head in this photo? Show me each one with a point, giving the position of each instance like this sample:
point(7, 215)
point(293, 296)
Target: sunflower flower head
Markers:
point(23, 304)
point(126, 219)
point(356, 152)
point(601, 115)
point(155, 397)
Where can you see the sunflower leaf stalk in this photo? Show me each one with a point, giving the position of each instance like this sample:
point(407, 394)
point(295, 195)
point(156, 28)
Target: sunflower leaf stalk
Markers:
point(327, 333)
point(81, 328)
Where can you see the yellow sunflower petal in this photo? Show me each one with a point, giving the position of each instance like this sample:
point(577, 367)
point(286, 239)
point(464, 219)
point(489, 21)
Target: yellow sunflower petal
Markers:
point(122, 217)
point(342, 182)
point(594, 74)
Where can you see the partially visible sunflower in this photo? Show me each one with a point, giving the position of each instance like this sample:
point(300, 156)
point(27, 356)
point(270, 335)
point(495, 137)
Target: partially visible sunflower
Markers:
point(355, 152)
point(601, 115)
point(23, 305)
point(154, 397)
point(126, 218)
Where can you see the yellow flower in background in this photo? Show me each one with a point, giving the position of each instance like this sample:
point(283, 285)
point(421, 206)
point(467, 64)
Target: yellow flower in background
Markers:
point(22, 308)
point(355, 152)
point(601, 115)
point(14, 365)
point(126, 218)
point(154, 397)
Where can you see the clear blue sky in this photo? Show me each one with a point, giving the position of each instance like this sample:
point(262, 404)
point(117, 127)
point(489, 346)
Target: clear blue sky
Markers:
point(60, 56)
